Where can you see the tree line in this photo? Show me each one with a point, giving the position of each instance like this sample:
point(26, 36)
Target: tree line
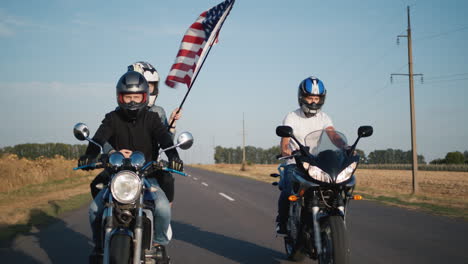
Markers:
point(256, 155)
point(392, 156)
point(455, 157)
point(48, 150)
point(253, 155)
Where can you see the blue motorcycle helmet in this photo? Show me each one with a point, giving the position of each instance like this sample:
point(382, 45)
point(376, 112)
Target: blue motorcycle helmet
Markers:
point(311, 86)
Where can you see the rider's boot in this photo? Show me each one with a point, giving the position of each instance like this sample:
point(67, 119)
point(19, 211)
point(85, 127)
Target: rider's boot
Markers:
point(281, 226)
point(158, 253)
point(96, 255)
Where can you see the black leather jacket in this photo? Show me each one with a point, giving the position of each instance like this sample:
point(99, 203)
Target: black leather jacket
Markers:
point(140, 134)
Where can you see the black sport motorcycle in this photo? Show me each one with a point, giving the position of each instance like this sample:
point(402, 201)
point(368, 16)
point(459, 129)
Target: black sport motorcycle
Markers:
point(126, 233)
point(323, 182)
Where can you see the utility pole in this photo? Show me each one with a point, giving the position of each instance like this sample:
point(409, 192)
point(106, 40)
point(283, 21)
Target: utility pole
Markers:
point(214, 149)
point(243, 144)
point(412, 108)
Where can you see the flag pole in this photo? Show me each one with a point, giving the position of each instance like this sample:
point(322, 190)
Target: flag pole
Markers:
point(190, 87)
point(201, 65)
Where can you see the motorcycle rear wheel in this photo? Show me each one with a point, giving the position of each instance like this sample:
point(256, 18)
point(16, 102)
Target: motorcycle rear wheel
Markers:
point(335, 249)
point(119, 250)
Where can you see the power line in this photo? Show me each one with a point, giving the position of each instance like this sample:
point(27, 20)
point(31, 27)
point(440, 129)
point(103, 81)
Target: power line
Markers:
point(446, 76)
point(453, 80)
point(442, 33)
point(382, 57)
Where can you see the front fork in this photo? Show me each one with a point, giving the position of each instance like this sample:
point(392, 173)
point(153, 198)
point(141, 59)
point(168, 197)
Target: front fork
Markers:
point(315, 222)
point(108, 220)
point(316, 216)
point(138, 233)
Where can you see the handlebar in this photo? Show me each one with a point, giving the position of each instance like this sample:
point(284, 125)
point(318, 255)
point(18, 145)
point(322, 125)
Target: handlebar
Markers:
point(99, 165)
point(294, 154)
point(175, 171)
point(92, 166)
point(163, 168)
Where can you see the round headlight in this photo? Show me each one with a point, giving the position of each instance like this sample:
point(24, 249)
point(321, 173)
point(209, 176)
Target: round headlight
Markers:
point(137, 159)
point(116, 159)
point(126, 187)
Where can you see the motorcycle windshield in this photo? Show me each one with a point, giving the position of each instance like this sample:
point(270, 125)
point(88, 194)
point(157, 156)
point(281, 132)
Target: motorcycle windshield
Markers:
point(327, 148)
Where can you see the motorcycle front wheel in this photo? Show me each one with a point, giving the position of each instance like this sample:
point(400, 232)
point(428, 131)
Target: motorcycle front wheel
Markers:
point(119, 251)
point(335, 249)
point(293, 252)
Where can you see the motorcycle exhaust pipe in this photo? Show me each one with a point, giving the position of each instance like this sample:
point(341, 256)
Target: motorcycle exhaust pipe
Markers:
point(138, 233)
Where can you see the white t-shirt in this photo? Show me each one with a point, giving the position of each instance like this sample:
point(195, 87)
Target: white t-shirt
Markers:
point(302, 126)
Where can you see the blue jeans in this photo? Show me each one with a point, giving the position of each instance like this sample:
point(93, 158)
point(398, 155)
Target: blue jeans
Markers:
point(285, 185)
point(162, 213)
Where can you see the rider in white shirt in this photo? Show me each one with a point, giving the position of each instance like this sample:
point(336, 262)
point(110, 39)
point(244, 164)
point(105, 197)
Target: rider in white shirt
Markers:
point(304, 120)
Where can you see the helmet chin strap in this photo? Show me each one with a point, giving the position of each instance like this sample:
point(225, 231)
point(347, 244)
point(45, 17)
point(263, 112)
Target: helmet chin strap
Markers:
point(308, 112)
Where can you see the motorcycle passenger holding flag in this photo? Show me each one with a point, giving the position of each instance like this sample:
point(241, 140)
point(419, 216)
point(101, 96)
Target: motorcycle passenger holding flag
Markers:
point(152, 76)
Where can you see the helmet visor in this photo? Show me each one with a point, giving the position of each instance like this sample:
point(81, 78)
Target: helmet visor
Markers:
point(136, 98)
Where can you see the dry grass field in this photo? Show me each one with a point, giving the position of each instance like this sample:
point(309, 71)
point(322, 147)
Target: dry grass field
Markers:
point(16, 173)
point(438, 189)
point(28, 185)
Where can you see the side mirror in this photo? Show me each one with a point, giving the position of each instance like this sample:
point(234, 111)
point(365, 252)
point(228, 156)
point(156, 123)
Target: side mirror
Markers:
point(185, 140)
point(365, 131)
point(81, 131)
point(284, 131)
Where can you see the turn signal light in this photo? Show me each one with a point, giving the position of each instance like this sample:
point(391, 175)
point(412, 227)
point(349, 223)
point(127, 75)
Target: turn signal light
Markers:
point(357, 197)
point(293, 198)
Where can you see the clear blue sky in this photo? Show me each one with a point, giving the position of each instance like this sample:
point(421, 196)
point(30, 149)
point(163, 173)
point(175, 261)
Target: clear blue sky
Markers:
point(60, 61)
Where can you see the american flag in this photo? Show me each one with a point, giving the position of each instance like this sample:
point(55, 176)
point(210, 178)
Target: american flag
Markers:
point(196, 42)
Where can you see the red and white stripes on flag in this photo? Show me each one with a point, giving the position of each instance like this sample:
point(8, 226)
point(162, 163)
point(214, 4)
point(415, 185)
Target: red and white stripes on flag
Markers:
point(196, 43)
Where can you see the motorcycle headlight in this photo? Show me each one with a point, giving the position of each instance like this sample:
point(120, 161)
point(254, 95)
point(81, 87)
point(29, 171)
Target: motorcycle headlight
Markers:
point(346, 173)
point(126, 187)
point(316, 173)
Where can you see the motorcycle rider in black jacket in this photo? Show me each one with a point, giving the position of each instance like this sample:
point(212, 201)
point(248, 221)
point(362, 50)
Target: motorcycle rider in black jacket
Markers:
point(131, 127)
point(165, 179)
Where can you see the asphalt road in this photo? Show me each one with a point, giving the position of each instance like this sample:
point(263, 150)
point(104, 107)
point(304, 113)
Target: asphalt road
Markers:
point(224, 219)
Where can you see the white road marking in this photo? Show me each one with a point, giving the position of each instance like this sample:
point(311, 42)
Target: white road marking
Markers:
point(227, 197)
point(205, 184)
point(195, 178)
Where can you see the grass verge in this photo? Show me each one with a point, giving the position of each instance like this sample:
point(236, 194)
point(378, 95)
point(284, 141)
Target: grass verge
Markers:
point(406, 202)
point(37, 205)
point(42, 215)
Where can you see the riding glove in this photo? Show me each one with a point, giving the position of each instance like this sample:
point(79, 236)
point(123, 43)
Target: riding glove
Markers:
point(176, 164)
point(86, 160)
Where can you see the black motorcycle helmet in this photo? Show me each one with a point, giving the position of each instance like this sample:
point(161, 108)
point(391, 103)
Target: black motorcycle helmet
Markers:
point(132, 82)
